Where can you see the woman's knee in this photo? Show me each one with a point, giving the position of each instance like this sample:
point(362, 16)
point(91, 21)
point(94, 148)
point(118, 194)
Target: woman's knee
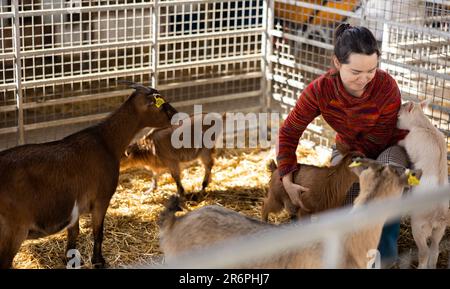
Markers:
point(395, 155)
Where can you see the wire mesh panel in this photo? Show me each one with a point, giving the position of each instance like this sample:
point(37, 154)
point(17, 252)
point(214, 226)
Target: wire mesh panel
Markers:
point(210, 54)
point(302, 50)
point(414, 38)
point(73, 52)
point(8, 114)
point(416, 51)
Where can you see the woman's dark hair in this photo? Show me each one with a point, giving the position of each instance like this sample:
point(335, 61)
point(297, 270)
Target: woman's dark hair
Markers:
point(353, 39)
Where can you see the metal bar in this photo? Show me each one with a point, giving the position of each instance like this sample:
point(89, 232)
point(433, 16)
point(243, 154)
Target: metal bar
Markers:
point(8, 130)
point(362, 19)
point(75, 99)
point(85, 47)
point(71, 10)
point(211, 61)
point(90, 76)
point(443, 2)
point(67, 121)
point(7, 86)
point(7, 108)
point(222, 79)
point(118, 93)
point(155, 48)
point(6, 15)
point(210, 35)
point(332, 250)
point(218, 98)
point(394, 65)
point(18, 71)
point(286, 100)
point(185, 2)
point(438, 59)
point(270, 25)
point(296, 65)
point(285, 80)
point(320, 8)
point(264, 60)
point(241, 250)
point(7, 55)
point(415, 28)
point(300, 39)
point(74, 120)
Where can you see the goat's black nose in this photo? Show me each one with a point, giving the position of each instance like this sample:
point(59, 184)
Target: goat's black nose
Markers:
point(169, 109)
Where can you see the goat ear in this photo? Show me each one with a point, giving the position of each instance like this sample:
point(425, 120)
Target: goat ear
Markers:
point(359, 164)
point(410, 106)
point(425, 104)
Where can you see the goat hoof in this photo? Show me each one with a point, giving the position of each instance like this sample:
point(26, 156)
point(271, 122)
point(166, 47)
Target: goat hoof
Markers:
point(149, 191)
point(193, 197)
point(99, 263)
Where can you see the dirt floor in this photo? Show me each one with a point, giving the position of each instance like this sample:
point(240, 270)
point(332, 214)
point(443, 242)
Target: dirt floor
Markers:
point(239, 182)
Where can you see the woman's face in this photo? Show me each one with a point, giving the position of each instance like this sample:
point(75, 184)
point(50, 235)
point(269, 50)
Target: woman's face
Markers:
point(358, 72)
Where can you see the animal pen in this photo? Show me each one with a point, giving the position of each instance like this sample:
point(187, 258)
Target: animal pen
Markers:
point(61, 60)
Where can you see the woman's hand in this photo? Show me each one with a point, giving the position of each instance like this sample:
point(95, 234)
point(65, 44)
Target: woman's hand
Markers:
point(294, 190)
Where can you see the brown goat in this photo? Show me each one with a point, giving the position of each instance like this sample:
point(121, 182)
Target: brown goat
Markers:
point(155, 153)
point(213, 224)
point(46, 187)
point(328, 187)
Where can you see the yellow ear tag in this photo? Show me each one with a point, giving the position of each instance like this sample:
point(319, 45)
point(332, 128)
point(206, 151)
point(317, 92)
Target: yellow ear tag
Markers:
point(412, 180)
point(354, 164)
point(159, 101)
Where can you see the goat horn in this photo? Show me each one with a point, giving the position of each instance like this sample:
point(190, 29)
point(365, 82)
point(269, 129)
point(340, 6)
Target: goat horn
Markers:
point(152, 90)
point(355, 163)
point(137, 86)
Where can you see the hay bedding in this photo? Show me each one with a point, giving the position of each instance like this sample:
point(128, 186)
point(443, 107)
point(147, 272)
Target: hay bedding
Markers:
point(239, 182)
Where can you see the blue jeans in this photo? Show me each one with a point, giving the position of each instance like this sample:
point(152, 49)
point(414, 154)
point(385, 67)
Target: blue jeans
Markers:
point(391, 231)
point(388, 242)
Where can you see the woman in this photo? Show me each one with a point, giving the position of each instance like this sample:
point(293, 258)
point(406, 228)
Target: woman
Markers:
point(361, 103)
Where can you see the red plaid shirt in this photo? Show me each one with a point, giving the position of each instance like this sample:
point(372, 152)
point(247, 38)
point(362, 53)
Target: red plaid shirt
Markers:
point(366, 124)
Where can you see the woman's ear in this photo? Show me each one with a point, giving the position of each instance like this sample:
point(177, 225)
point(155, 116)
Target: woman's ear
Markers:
point(336, 62)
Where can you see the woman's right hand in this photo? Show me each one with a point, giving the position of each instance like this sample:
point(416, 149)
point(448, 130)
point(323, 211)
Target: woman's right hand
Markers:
point(294, 190)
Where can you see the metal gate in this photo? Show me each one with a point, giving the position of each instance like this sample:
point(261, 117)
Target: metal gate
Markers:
point(226, 55)
point(414, 38)
point(71, 53)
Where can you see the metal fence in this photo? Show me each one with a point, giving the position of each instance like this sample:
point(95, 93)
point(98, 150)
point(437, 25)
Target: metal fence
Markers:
point(414, 37)
point(330, 231)
point(60, 60)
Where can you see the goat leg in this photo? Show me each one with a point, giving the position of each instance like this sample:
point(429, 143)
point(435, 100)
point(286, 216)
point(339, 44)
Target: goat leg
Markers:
point(98, 217)
point(208, 162)
point(72, 236)
point(436, 237)
point(291, 209)
point(175, 172)
point(154, 187)
point(420, 236)
point(155, 182)
point(10, 242)
point(270, 205)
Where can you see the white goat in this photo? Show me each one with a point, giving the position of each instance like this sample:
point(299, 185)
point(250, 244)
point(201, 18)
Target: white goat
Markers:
point(212, 224)
point(427, 150)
